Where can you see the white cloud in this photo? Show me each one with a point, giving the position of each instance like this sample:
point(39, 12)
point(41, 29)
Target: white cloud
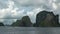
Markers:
point(6, 12)
point(58, 3)
point(54, 6)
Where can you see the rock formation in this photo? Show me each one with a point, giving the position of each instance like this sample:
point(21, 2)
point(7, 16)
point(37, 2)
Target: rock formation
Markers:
point(43, 19)
point(1, 24)
point(46, 19)
point(24, 22)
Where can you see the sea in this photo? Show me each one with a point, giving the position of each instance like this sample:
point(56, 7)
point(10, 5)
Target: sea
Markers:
point(29, 30)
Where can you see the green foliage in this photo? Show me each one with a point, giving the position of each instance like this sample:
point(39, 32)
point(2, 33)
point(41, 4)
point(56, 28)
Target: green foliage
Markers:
point(42, 24)
point(24, 22)
point(17, 23)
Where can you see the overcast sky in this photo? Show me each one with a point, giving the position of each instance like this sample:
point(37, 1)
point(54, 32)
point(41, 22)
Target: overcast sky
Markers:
point(11, 10)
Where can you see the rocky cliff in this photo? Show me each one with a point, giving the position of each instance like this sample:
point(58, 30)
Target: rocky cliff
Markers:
point(46, 19)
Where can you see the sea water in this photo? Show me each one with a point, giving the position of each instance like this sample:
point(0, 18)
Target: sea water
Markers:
point(29, 30)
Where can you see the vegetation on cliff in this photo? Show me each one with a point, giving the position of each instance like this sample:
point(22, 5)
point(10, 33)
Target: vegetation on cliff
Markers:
point(24, 22)
point(46, 19)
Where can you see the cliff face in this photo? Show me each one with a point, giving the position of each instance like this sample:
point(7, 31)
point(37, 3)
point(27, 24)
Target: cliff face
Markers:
point(46, 19)
point(24, 22)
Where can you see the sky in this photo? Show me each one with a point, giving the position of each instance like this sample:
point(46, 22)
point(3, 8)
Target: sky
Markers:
point(11, 10)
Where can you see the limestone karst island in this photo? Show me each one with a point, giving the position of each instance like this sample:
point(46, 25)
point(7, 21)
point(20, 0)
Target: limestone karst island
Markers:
point(43, 19)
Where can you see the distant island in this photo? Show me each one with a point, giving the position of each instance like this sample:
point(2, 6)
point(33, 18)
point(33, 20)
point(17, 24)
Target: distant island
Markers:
point(43, 19)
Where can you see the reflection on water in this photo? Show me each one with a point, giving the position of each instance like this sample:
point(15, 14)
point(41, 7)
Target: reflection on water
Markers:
point(29, 30)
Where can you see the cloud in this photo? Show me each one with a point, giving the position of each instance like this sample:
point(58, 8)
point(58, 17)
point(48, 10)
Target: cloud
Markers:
point(54, 6)
point(5, 13)
point(3, 4)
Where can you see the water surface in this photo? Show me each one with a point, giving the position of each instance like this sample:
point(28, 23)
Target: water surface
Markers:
point(29, 30)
